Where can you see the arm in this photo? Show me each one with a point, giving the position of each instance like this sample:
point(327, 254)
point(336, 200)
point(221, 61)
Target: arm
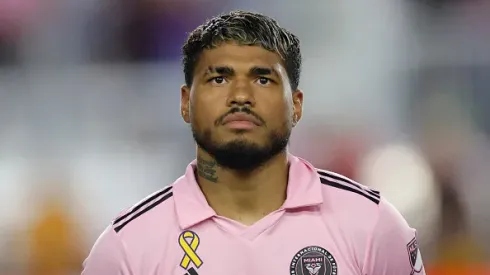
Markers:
point(107, 256)
point(392, 248)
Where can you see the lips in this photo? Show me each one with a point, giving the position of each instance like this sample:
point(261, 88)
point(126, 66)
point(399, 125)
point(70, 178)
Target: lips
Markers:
point(241, 117)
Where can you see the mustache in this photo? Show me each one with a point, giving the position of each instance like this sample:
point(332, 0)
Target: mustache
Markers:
point(233, 110)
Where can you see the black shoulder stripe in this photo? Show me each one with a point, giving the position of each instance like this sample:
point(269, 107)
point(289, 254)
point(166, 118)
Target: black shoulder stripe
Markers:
point(346, 180)
point(151, 206)
point(350, 182)
point(347, 188)
point(142, 204)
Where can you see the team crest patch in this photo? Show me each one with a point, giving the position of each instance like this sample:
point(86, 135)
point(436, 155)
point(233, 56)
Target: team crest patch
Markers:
point(313, 260)
point(415, 256)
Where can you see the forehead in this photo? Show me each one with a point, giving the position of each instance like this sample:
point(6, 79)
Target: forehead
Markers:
point(239, 58)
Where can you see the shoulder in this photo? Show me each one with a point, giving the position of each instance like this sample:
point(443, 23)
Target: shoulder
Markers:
point(358, 198)
point(126, 240)
point(149, 212)
point(364, 214)
point(342, 187)
point(137, 236)
point(354, 204)
point(133, 235)
point(354, 207)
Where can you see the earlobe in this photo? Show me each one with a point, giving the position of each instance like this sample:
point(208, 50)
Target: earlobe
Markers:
point(185, 103)
point(297, 106)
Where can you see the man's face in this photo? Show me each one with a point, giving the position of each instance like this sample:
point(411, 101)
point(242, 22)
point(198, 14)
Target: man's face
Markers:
point(240, 106)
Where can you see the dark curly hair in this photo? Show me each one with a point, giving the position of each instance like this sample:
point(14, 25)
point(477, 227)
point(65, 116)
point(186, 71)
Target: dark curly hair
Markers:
point(244, 28)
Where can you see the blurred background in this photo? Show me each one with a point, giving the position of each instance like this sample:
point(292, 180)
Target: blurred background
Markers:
point(396, 97)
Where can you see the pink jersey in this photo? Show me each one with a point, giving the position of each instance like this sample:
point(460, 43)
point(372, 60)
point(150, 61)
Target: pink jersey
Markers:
point(328, 225)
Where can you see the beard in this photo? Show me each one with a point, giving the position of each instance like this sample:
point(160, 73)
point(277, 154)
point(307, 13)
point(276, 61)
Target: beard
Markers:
point(240, 154)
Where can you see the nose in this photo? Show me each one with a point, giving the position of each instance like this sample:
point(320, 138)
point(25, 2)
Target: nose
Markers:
point(241, 94)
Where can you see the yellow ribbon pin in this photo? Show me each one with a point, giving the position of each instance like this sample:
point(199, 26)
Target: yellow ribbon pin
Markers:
point(189, 249)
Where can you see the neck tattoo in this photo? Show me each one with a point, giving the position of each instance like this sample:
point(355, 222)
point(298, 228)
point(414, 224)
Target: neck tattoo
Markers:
point(207, 169)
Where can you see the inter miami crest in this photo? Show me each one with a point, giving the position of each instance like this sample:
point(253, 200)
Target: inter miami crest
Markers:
point(313, 260)
point(414, 256)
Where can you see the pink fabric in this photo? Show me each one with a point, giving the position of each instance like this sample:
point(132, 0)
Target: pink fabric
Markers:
point(327, 225)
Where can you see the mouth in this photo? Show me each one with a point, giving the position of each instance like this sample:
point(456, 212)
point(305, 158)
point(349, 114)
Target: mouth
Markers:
point(241, 125)
point(241, 121)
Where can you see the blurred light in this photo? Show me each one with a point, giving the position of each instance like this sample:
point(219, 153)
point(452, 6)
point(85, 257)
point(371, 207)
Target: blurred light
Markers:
point(405, 179)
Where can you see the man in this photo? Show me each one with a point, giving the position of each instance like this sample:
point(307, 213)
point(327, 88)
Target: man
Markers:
point(246, 206)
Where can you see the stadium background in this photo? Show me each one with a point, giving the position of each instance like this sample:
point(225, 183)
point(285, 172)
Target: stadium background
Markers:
point(395, 97)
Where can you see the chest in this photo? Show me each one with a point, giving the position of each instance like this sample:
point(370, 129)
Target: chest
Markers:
point(295, 249)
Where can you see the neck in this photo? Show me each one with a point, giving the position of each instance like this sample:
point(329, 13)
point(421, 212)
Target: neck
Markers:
point(243, 197)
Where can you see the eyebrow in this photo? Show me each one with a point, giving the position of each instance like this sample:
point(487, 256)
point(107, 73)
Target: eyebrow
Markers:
point(229, 71)
point(258, 71)
point(222, 70)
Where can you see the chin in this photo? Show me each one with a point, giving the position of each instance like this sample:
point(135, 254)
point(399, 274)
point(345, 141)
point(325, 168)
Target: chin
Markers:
point(242, 140)
point(241, 151)
point(242, 134)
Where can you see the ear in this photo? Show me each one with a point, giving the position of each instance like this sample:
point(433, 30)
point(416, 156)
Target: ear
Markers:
point(297, 106)
point(185, 93)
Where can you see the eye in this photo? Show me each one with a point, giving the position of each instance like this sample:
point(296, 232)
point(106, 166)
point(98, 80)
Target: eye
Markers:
point(264, 81)
point(217, 80)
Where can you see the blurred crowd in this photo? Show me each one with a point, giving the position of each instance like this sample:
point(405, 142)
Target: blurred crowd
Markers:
point(396, 96)
point(98, 31)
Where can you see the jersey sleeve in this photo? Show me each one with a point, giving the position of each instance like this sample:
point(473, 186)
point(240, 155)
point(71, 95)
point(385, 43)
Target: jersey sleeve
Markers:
point(107, 256)
point(392, 248)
